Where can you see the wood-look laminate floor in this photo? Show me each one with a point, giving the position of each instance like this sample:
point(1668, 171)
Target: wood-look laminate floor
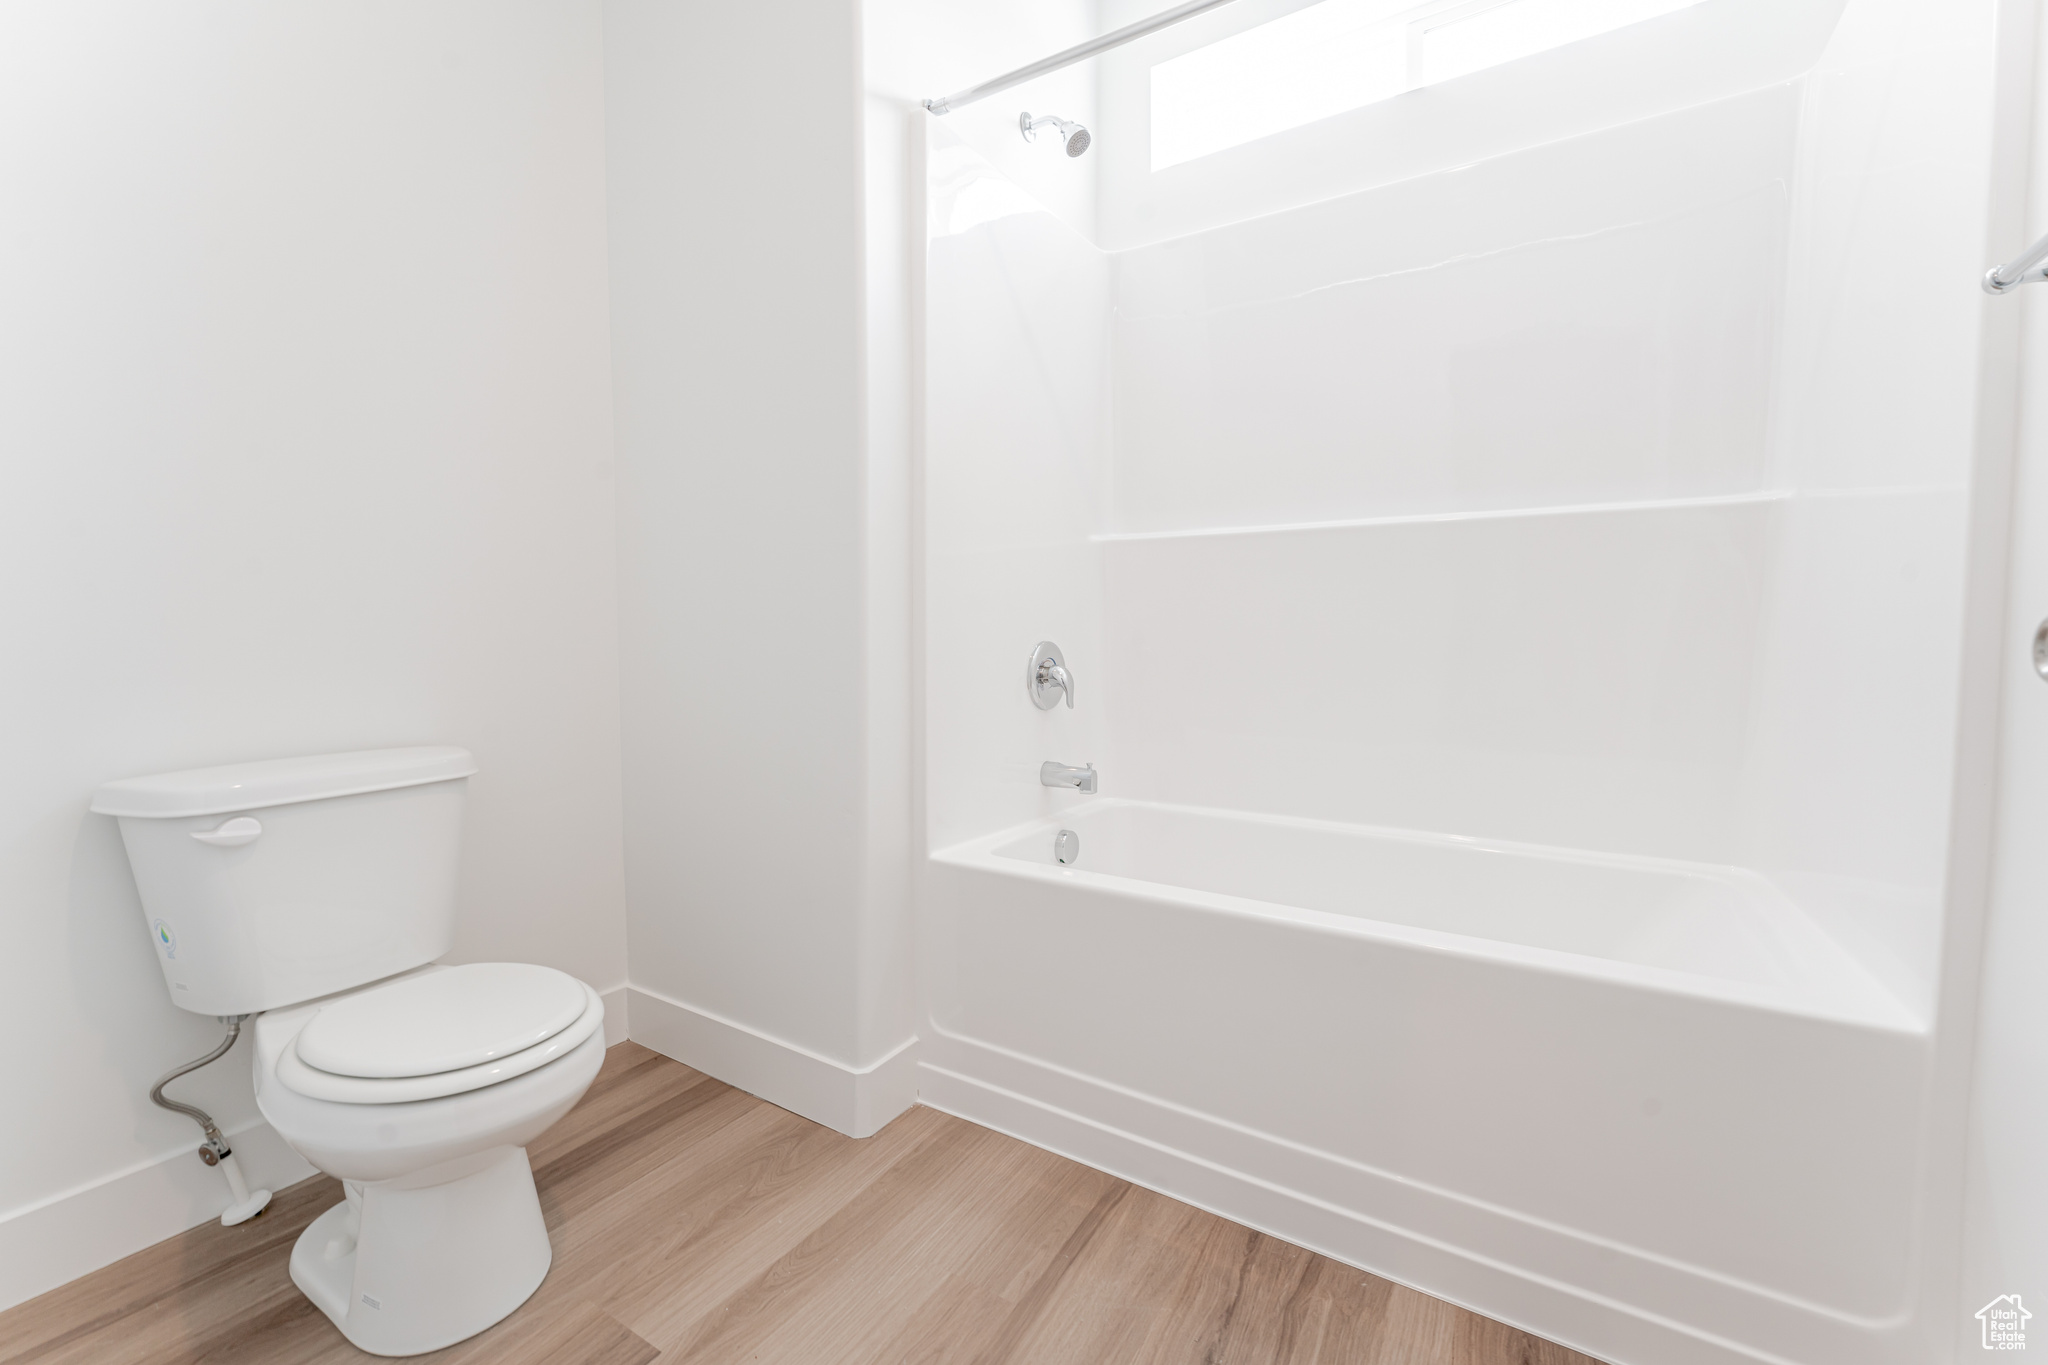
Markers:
point(693, 1222)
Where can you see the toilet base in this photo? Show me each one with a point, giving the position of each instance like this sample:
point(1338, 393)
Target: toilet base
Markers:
point(410, 1265)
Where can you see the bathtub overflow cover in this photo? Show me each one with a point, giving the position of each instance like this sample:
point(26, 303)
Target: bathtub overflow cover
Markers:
point(1066, 847)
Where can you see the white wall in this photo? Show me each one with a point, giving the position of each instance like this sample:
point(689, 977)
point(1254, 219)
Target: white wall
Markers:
point(764, 890)
point(1016, 478)
point(2006, 1236)
point(1576, 680)
point(1853, 769)
point(305, 435)
point(914, 50)
point(1054, 449)
point(1677, 61)
point(2007, 1201)
point(1460, 342)
point(1531, 605)
point(1630, 301)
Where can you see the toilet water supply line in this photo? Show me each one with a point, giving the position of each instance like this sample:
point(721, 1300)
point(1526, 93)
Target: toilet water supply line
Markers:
point(215, 1151)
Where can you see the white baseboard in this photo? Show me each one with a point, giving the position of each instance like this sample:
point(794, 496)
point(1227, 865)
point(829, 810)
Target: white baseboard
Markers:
point(79, 1230)
point(856, 1101)
point(617, 1014)
point(1603, 1301)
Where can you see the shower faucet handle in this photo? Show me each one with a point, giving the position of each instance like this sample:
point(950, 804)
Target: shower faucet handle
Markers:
point(1046, 677)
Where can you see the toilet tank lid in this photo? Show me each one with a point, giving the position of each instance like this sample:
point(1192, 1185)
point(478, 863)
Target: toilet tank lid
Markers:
point(280, 781)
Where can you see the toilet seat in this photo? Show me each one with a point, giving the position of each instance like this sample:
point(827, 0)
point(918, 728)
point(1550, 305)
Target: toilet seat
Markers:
point(373, 1142)
point(441, 1021)
point(514, 1016)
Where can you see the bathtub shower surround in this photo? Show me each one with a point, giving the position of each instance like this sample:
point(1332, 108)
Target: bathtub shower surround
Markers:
point(1515, 870)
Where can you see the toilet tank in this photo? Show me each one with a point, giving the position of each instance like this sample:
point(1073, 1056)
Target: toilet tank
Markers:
point(264, 884)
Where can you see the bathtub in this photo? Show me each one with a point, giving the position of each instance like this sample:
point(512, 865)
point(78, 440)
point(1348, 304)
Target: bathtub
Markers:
point(1491, 1071)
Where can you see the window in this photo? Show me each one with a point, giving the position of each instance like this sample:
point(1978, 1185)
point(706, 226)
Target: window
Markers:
point(1340, 54)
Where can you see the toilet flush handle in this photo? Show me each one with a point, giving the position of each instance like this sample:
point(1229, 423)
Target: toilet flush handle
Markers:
point(236, 832)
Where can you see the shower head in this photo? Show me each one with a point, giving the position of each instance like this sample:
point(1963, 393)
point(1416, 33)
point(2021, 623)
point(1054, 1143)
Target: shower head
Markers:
point(1073, 135)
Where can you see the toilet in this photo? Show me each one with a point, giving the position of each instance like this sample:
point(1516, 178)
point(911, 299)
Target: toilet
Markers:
point(317, 894)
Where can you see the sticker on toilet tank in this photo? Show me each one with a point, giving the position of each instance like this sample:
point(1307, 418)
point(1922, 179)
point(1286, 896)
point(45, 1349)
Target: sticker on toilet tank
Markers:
point(165, 939)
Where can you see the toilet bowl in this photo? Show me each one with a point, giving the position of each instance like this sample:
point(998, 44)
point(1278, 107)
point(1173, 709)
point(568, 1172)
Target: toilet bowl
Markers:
point(317, 894)
point(440, 1234)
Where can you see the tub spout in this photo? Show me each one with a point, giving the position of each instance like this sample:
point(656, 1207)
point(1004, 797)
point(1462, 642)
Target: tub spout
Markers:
point(1051, 774)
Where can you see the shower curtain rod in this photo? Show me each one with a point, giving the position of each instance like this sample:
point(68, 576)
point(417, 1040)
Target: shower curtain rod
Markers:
point(2022, 269)
point(1164, 19)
